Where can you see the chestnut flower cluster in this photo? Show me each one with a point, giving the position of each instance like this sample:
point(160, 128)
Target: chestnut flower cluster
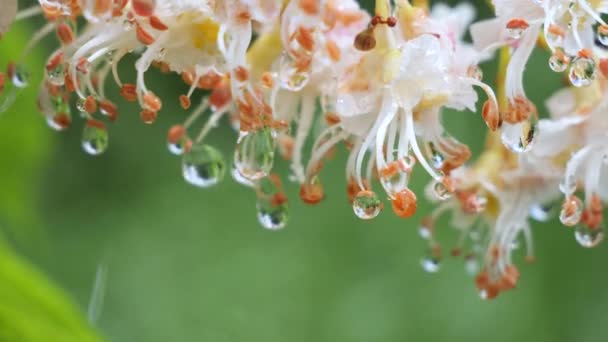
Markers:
point(289, 74)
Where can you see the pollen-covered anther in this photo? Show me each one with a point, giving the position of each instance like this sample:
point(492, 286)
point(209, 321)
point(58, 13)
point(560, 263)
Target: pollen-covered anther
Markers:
point(176, 133)
point(241, 74)
point(557, 30)
point(220, 96)
point(90, 104)
point(491, 115)
point(184, 101)
point(148, 116)
point(62, 120)
point(404, 203)
point(143, 8)
point(333, 50)
point(312, 192)
point(285, 143)
point(65, 33)
point(509, 278)
point(144, 36)
point(129, 92)
point(585, 53)
point(152, 102)
point(520, 109)
point(108, 109)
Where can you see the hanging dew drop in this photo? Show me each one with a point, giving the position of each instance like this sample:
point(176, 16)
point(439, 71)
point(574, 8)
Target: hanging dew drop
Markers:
point(272, 217)
point(441, 191)
point(20, 76)
point(239, 178)
point(95, 137)
point(582, 72)
point(203, 166)
point(602, 34)
point(558, 61)
point(572, 211)
point(367, 205)
point(254, 153)
point(430, 264)
point(588, 237)
point(520, 137)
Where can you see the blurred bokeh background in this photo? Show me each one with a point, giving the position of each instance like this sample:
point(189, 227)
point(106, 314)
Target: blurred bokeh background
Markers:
point(185, 264)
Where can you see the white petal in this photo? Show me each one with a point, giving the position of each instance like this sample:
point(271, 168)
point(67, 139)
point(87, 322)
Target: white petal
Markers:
point(562, 103)
point(555, 136)
point(487, 32)
point(7, 14)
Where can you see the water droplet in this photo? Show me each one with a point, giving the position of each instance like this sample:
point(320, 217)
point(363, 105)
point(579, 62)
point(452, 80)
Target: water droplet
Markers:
point(395, 176)
point(520, 137)
point(430, 264)
point(542, 213)
point(588, 237)
point(20, 76)
point(254, 153)
point(582, 72)
point(366, 205)
point(56, 75)
point(602, 34)
point(80, 105)
point(273, 217)
point(436, 158)
point(239, 178)
point(441, 191)
point(572, 210)
point(203, 166)
point(559, 61)
point(291, 78)
point(95, 137)
point(425, 231)
point(474, 71)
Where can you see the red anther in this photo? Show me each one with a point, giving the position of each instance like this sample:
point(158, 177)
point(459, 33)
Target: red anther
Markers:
point(65, 33)
point(604, 67)
point(157, 24)
point(62, 120)
point(176, 134)
point(109, 109)
point(188, 77)
point(491, 291)
point(241, 74)
point(54, 61)
point(391, 21)
point(69, 83)
point(557, 30)
point(83, 65)
point(128, 92)
point(482, 280)
point(490, 115)
point(312, 193)
point(310, 7)
point(517, 23)
point(585, 53)
point(152, 102)
point(2, 80)
point(376, 20)
point(90, 104)
point(332, 118)
point(520, 109)
point(143, 8)
point(305, 38)
point(405, 203)
point(184, 101)
point(102, 6)
point(10, 69)
point(147, 116)
point(96, 123)
point(456, 252)
point(494, 253)
point(143, 36)
point(209, 81)
point(220, 96)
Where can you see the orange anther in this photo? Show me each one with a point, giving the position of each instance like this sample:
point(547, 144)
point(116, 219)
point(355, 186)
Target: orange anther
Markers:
point(90, 104)
point(157, 24)
point(152, 102)
point(65, 33)
point(128, 92)
point(405, 203)
point(148, 116)
point(312, 193)
point(184, 101)
point(144, 8)
point(143, 36)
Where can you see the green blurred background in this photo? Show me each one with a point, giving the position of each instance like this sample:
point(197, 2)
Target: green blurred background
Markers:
point(185, 264)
